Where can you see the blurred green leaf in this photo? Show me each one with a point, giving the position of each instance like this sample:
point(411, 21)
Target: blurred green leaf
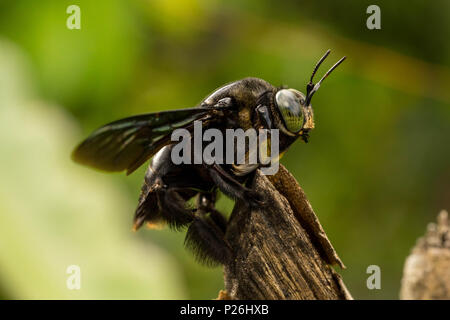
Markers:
point(55, 214)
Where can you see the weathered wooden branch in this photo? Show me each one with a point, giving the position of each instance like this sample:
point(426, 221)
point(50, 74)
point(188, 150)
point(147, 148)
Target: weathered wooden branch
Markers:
point(426, 273)
point(281, 249)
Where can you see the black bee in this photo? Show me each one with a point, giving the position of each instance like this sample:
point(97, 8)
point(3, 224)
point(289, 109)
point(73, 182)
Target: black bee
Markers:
point(249, 103)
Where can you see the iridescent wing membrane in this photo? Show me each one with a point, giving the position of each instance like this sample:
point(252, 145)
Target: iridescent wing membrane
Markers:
point(127, 143)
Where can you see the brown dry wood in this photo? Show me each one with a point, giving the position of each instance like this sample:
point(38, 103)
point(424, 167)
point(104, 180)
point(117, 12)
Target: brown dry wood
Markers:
point(426, 274)
point(281, 250)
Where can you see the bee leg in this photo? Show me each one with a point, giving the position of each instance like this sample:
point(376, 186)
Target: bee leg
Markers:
point(159, 203)
point(233, 188)
point(206, 202)
point(218, 219)
point(206, 234)
point(148, 209)
point(173, 208)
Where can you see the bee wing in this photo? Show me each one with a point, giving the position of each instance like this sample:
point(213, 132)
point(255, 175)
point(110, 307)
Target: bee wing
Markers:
point(127, 143)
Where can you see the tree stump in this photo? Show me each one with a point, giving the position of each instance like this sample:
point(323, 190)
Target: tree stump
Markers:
point(426, 273)
point(281, 250)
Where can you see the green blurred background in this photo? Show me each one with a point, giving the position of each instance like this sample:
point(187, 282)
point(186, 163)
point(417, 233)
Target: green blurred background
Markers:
point(376, 169)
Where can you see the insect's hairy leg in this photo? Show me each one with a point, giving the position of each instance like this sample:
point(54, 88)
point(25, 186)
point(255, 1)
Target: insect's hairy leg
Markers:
point(206, 202)
point(173, 208)
point(231, 187)
point(206, 234)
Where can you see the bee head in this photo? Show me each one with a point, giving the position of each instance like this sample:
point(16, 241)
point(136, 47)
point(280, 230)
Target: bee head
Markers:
point(295, 107)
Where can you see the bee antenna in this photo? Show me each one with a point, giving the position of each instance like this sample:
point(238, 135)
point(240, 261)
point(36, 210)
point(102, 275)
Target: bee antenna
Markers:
point(314, 87)
point(310, 85)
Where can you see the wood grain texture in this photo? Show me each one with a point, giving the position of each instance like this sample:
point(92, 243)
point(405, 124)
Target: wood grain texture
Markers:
point(281, 251)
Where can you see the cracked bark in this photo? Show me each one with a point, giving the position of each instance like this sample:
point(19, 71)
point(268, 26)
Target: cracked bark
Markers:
point(281, 250)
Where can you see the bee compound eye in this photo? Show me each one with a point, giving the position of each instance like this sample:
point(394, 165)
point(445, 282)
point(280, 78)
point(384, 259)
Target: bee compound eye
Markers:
point(289, 105)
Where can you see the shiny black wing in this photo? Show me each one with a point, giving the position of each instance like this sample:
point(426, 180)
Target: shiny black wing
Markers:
point(127, 143)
